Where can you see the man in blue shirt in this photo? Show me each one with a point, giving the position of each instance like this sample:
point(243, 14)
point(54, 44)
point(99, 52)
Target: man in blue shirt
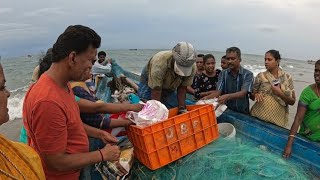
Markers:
point(235, 84)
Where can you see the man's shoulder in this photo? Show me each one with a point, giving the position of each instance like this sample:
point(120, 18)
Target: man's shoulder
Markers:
point(161, 57)
point(42, 91)
point(246, 71)
point(224, 72)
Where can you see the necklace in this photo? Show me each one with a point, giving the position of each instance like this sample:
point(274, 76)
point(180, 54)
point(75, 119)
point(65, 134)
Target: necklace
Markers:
point(7, 174)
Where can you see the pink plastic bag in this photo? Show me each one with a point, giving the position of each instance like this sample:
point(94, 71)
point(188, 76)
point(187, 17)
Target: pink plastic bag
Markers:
point(152, 112)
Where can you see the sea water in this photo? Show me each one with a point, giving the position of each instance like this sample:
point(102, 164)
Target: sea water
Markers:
point(19, 70)
point(236, 158)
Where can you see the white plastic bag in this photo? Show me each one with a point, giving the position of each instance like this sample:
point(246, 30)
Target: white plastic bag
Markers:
point(219, 108)
point(152, 112)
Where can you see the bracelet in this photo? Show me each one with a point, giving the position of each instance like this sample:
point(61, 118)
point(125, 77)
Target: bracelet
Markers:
point(291, 135)
point(101, 155)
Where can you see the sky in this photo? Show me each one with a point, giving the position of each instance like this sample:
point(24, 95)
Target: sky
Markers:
point(255, 26)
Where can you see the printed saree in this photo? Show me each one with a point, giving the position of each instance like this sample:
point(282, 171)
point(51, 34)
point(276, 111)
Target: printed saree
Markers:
point(19, 161)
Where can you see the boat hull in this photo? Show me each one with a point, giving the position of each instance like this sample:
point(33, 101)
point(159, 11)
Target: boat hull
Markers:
point(274, 138)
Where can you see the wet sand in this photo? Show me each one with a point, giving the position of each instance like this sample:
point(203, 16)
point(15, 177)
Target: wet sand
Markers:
point(11, 129)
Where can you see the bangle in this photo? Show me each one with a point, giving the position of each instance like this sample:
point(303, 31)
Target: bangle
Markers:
point(101, 155)
point(291, 135)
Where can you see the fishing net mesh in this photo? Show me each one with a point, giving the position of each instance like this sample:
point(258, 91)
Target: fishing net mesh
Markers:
point(227, 159)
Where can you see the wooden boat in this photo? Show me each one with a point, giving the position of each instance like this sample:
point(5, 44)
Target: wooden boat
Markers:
point(268, 135)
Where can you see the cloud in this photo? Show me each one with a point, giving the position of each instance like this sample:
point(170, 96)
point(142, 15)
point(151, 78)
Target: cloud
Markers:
point(19, 31)
point(267, 28)
point(249, 24)
point(4, 26)
point(5, 10)
point(45, 12)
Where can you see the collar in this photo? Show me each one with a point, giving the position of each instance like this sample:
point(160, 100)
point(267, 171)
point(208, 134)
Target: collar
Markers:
point(241, 70)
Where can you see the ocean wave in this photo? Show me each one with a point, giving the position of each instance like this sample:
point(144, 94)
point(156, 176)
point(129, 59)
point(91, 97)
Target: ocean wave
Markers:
point(255, 69)
point(15, 104)
point(20, 89)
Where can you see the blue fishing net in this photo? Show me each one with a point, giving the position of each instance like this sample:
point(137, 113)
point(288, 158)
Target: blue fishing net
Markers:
point(227, 159)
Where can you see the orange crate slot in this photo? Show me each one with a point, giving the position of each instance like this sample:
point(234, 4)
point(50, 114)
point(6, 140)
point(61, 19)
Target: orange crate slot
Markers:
point(164, 142)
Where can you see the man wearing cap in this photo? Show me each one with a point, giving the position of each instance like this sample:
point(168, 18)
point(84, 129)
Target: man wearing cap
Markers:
point(166, 76)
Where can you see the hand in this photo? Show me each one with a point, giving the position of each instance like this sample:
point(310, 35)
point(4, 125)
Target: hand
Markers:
point(287, 151)
point(204, 98)
point(258, 97)
point(107, 137)
point(276, 90)
point(136, 107)
point(110, 153)
point(222, 99)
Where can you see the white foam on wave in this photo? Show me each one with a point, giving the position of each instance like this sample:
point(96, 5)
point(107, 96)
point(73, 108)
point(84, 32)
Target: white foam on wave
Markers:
point(15, 102)
point(255, 69)
point(15, 106)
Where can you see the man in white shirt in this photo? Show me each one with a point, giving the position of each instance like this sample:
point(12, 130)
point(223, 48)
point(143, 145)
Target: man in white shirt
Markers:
point(103, 65)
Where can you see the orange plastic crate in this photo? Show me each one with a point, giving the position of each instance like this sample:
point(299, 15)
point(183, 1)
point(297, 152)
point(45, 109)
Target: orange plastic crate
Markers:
point(162, 143)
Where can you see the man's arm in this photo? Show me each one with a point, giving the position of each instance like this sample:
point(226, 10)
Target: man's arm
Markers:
point(101, 69)
point(181, 93)
point(245, 89)
point(203, 94)
point(222, 99)
point(99, 134)
point(65, 162)
point(87, 106)
point(156, 94)
point(107, 61)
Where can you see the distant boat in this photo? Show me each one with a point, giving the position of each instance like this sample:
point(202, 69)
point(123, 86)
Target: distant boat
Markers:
point(311, 62)
point(29, 55)
point(133, 49)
